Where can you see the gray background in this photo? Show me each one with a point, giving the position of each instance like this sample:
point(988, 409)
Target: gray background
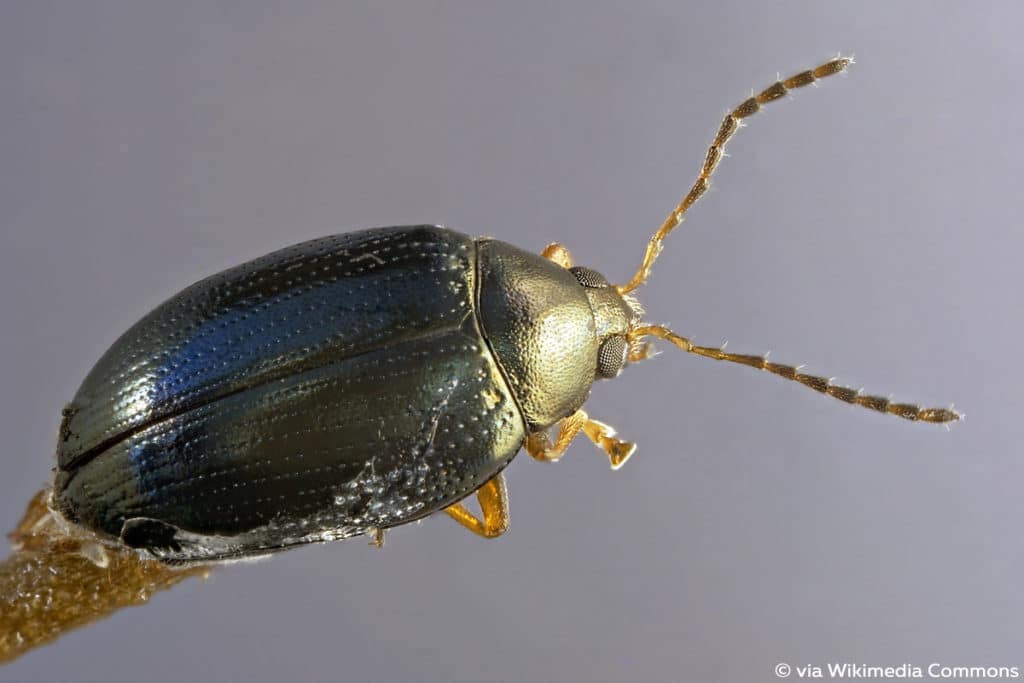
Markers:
point(868, 228)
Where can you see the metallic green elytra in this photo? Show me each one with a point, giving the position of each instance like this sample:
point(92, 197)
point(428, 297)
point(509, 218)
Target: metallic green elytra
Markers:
point(333, 388)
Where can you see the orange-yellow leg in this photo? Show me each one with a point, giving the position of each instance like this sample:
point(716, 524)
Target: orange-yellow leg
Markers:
point(540, 447)
point(493, 500)
point(557, 253)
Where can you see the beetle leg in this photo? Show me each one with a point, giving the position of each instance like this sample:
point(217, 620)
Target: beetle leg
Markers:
point(603, 437)
point(493, 500)
point(539, 445)
point(557, 253)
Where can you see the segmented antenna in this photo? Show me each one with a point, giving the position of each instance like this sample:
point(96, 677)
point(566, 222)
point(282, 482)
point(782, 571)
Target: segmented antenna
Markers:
point(729, 126)
point(908, 411)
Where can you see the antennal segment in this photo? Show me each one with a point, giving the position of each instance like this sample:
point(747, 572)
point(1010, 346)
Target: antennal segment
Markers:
point(907, 411)
point(729, 126)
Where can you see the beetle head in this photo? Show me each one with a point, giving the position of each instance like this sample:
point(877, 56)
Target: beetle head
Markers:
point(615, 315)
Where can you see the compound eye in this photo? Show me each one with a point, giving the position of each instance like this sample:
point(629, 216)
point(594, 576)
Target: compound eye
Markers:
point(589, 278)
point(611, 357)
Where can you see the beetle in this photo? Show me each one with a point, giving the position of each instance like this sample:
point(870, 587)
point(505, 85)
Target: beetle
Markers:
point(362, 381)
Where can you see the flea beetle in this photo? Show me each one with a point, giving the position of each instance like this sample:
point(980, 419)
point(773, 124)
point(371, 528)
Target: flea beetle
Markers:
point(357, 382)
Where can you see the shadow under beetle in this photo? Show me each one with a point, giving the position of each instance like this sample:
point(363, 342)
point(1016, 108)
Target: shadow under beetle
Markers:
point(357, 382)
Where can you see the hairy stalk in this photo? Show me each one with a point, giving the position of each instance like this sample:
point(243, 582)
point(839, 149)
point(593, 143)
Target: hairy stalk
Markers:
point(61, 576)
